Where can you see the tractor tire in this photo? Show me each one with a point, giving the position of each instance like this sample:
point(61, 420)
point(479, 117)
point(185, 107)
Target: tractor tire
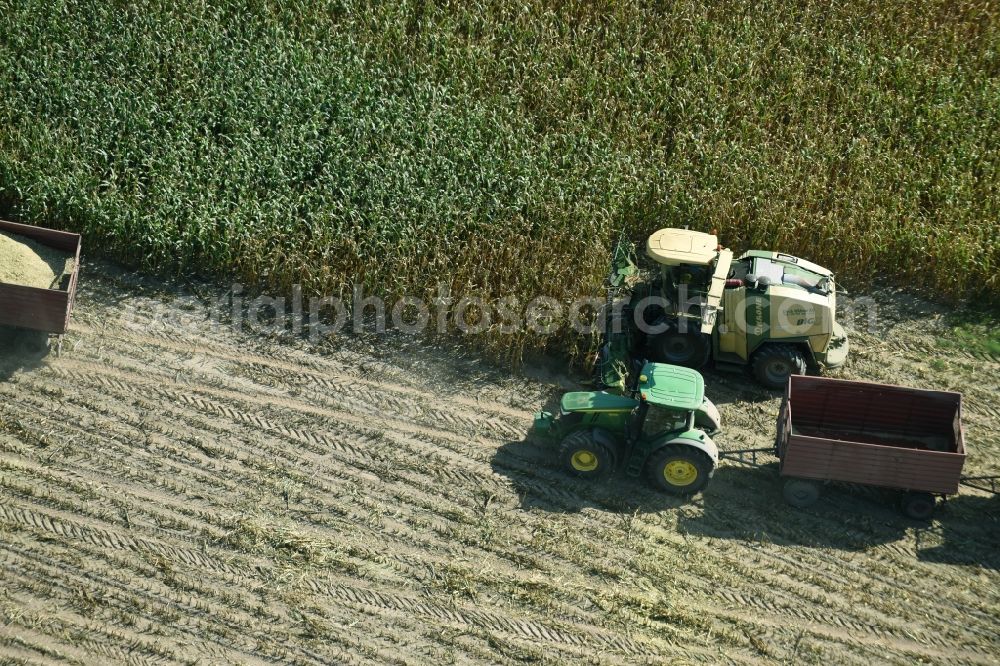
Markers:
point(919, 506)
point(679, 470)
point(775, 363)
point(801, 493)
point(691, 349)
point(584, 455)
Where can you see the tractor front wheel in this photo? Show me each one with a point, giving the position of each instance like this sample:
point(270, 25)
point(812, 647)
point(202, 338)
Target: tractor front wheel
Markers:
point(774, 364)
point(584, 455)
point(680, 470)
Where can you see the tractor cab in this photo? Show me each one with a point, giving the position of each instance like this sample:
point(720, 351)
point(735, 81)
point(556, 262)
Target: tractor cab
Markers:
point(671, 398)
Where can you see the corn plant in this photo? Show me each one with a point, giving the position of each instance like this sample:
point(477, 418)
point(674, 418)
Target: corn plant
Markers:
point(500, 147)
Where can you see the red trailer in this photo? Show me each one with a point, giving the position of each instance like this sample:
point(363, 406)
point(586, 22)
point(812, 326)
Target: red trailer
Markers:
point(45, 310)
point(873, 434)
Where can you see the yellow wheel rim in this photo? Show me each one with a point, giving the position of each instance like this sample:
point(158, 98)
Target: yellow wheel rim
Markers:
point(584, 461)
point(680, 473)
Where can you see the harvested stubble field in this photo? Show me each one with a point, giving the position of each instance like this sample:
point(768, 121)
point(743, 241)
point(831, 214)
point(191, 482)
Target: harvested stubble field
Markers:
point(189, 494)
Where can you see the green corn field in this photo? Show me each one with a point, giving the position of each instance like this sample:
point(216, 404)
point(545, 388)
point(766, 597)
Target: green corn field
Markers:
point(501, 147)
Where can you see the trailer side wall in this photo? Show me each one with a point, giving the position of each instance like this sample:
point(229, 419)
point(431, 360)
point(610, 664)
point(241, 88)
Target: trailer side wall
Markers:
point(872, 434)
point(45, 310)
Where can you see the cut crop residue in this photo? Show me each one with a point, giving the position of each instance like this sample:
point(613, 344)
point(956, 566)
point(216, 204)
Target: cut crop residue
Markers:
point(28, 263)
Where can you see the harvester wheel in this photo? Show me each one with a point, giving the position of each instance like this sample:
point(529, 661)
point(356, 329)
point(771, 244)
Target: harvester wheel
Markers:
point(919, 506)
point(801, 493)
point(584, 455)
point(774, 364)
point(690, 349)
point(679, 470)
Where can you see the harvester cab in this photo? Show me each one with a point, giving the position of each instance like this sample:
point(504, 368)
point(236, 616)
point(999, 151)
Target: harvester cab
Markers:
point(771, 311)
point(661, 426)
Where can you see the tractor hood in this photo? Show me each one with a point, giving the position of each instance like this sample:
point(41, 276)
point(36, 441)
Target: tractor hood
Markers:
point(597, 401)
point(672, 386)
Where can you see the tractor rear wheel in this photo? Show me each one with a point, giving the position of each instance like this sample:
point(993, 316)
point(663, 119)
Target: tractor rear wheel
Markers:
point(774, 364)
point(679, 469)
point(919, 506)
point(690, 349)
point(583, 454)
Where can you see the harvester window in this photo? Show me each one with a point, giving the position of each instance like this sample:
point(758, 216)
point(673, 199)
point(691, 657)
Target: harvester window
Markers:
point(739, 270)
point(787, 274)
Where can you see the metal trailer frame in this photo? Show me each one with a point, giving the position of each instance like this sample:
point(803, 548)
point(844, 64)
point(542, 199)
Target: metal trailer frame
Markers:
point(869, 434)
point(44, 310)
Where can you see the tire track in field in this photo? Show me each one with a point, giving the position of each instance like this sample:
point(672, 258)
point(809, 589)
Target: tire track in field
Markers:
point(526, 629)
point(197, 616)
point(812, 562)
point(96, 642)
point(159, 581)
point(807, 565)
point(209, 398)
point(122, 387)
point(180, 457)
point(318, 442)
point(22, 642)
point(792, 610)
point(521, 627)
point(904, 647)
point(433, 508)
point(202, 604)
point(114, 540)
point(322, 489)
point(303, 368)
point(64, 505)
point(412, 403)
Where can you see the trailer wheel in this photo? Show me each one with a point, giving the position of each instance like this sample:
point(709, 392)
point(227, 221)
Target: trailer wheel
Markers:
point(583, 455)
point(801, 493)
point(919, 506)
point(31, 344)
point(774, 364)
point(680, 470)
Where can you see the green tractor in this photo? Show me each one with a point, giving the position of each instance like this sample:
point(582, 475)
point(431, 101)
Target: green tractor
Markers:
point(661, 426)
point(692, 302)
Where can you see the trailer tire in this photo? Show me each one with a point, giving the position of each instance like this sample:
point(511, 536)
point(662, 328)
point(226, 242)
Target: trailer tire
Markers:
point(801, 493)
point(587, 454)
point(919, 506)
point(32, 344)
point(679, 469)
point(775, 363)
